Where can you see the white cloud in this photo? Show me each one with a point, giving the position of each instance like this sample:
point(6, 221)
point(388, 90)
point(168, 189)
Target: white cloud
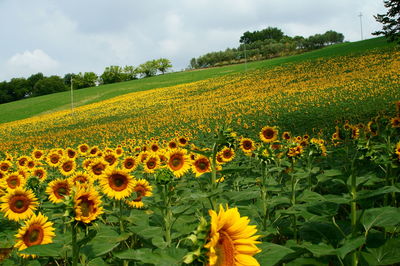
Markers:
point(30, 62)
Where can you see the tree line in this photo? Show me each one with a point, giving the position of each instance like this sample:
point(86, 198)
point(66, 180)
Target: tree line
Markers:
point(264, 44)
point(38, 84)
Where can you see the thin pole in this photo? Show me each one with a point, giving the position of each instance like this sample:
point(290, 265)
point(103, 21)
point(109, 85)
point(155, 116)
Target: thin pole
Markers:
point(245, 56)
point(72, 97)
point(361, 26)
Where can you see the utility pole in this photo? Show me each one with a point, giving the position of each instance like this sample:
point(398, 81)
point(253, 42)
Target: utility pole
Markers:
point(72, 97)
point(361, 26)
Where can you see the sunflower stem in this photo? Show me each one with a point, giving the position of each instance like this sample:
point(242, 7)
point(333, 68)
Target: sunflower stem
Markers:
point(353, 194)
point(264, 194)
point(213, 175)
point(293, 200)
point(75, 248)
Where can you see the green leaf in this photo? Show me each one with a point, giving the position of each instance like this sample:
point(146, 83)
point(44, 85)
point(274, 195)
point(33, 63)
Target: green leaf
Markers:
point(98, 248)
point(147, 232)
point(242, 195)
point(365, 194)
point(97, 262)
point(320, 249)
point(133, 254)
point(386, 254)
point(323, 208)
point(34, 263)
point(305, 262)
point(382, 217)
point(350, 245)
point(271, 254)
point(48, 250)
point(310, 196)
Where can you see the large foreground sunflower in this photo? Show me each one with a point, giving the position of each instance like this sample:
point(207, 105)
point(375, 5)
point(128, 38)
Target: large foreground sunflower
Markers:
point(117, 184)
point(18, 204)
point(231, 239)
point(87, 204)
point(36, 231)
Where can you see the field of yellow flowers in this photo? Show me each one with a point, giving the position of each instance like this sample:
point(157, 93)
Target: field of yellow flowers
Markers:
point(297, 164)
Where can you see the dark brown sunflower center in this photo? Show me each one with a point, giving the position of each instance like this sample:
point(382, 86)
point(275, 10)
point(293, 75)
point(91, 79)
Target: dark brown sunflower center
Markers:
point(118, 182)
point(71, 153)
point(4, 167)
point(34, 235)
point(110, 159)
point(202, 165)
point(129, 164)
point(154, 148)
point(61, 190)
point(31, 164)
point(83, 148)
point(13, 182)
point(225, 250)
point(98, 169)
point(23, 161)
point(268, 133)
point(67, 167)
point(54, 159)
point(227, 154)
point(86, 205)
point(39, 173)
point(19, 203)
point(247, 145)
point(140, 191)
point(93, 151)
point(38, 154)
point(172, 145)
point(151, 164)
point(176, 161)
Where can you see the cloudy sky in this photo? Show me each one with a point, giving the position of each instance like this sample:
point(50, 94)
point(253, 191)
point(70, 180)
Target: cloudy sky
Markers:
point(58, 37)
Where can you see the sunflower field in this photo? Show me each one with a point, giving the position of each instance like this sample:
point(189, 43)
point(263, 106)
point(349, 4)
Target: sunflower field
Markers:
point(296, 165)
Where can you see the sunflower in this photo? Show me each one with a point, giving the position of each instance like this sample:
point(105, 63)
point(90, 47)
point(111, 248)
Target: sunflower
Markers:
point(372, 128)
point(397, 150)
point(36, 231)
point(5, 166)
point(395, 121)
point(201, 165)
point(111, 158)
point(355, 132)
point(178, 162)
point(30, 164)
point(18, 204)
point(247, 145)
point(97, 167)
point(154, 147)
point(83, 149)
point(40, 173)
point(81, 178)
point(93, 151)
point(295, 151)
point(268, 134)
point(129, 164)
point(172, 144)
point(142, 189)
point(58, 189)
point(119, 151)
point(286, 135)
point(21, 161)
point(71, 153)
point(231, 240)
point(227, 154)
point(67, 166)
point(53, 159)
point(37, 154)
point(87, 204)
point(117, 184)
point(13, 180)
point(182, 141)
point(151, 164)
point(143, 156)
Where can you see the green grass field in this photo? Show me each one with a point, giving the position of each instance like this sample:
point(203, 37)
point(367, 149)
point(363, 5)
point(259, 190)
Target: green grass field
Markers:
point(60, 101)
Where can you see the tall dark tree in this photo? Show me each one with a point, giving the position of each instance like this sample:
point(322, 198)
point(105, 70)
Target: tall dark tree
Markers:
point(49, 85)
point(390, 21)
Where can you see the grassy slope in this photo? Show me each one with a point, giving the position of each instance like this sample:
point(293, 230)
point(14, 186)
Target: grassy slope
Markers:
point(60, 101)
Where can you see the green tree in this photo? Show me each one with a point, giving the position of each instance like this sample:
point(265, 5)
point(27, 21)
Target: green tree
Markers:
point(19, 88)
point(33, 79)
point(163, 64)
point(149, 68)
point(49, 85)
point(129, 73)
point(112, 74)
point(390, 21)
